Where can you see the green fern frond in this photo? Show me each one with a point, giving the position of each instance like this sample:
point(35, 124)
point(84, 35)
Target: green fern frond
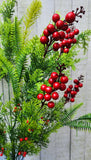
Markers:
point(12, 74)
point(32, 14)
point(7, 9)
point(70, 112)
point(85, 117)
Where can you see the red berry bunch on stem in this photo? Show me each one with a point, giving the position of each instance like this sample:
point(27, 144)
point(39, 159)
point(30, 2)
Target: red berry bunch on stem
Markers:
point(61, 34)
point(1, 151)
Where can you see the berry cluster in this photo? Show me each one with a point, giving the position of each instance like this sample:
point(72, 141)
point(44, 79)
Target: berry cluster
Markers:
point(46, 121)
point(1, 152)
point(71, 91)
point(18, 108)
point(22, 153)
point(21, 139)
point(63, 32)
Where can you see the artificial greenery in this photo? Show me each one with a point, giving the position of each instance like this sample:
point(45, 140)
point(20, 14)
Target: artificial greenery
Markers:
point(25, 126)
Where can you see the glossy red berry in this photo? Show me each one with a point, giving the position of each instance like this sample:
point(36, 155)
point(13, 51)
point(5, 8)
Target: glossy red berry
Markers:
point(44, 40)
point(70, 86)
point(72, 100)
point(68, 30)
point(76, 86)
point(59, 24)
point(64, 42)
point(66, 36)
point(1, 154)
point(76, 81)
point(55, 17)
point(54, 75)
point(71, 35)
point(27, 121)
point(76, 31)
point(65, 26)
point(70, 17)
point(40, 96)
point(74, 40)
point(56, 46)
point(46, 33)
point(51, 104)
point(24, 154)
point(48, 90)
point(56, 85)
point(62, 86)
point(43, 87)
point(51, 80)
point(19, 153)
point(26, 138)
point(64, 79)
point(66, 50)
point(21, 139)
point(68, 90)
point(60, 44)
point(72, 93)
point(55, 95)
point(80, 85)
point(51, 28)
point(47, 97)
point(69, 41)
point(65, 95)
point(62, 35)
point(56, 36)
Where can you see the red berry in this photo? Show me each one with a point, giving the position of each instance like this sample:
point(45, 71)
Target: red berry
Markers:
point(44, 40)
point(76, 86)
point(71, 35)
point(48, 89)
point(68, 45)
point(21, 139)
point(66, 50)
point(76, 31)
point(55, 95)
point(60, 44)
point(48, 120)
point(69, 41)
point(56, 85)
point(56, 36)
point(55, 17)
point(64, 79)
point(70, 17)
point(77, 90)
point(62, 35)
point(43, 87)
point(59, 24)
point(65, 95)
point(27, 121)
point(2, 149)
point(74, 40)
point(15, 107)
point(76, 81)
point(51, 104)
point(72, 99)
point(72, 93)
point(1, 154)
point(68, 90)
point(62, 86)
point(41, 117)
point(51, 80)
point(70, 86)
point(19, 153)
point(24, 154)
point(56, 46)
point(51, 28)
point(26, 138)
point(29, 130)
point(68, 30)
point(80, 85)
point(64, 42)
point(66, 36)
point(40, 96)
point(47, 97)
point(65, 27)
point(46, 33)
point(54, 75)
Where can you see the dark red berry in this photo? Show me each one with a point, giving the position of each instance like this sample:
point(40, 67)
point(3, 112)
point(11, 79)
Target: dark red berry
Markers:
point(68, 30)
point(55, 17)
point(56, 46)
point(51, 104)
point(76, 86)
point(56, 36)
point(72, 99)
point(51, 28)
point(71, 35)
point(68, 45)
point(66, 36)
point(74, 40)
point(60, 44)
point(55, 95)
point(77, 90)
point(70, 17)
point(62, 35)
point(69, 41)
point(46, 33)
point(71, 86)
point(65, 95)
point(43, 87)
point(80, 85)
point(47, 97)
point(64, 42)
point(76, 31)
point(41, 117)
point(44, 40)
point(66, 50)
point(59, 24)
point(62, 86)
point(64, 79)
point(56, 85)
point(54, 75)
point(68, 90)
point(76, 81)
point(48, 90)
point(72, 93)
point(40, 96)
point(51, 80)
point(65, 27)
